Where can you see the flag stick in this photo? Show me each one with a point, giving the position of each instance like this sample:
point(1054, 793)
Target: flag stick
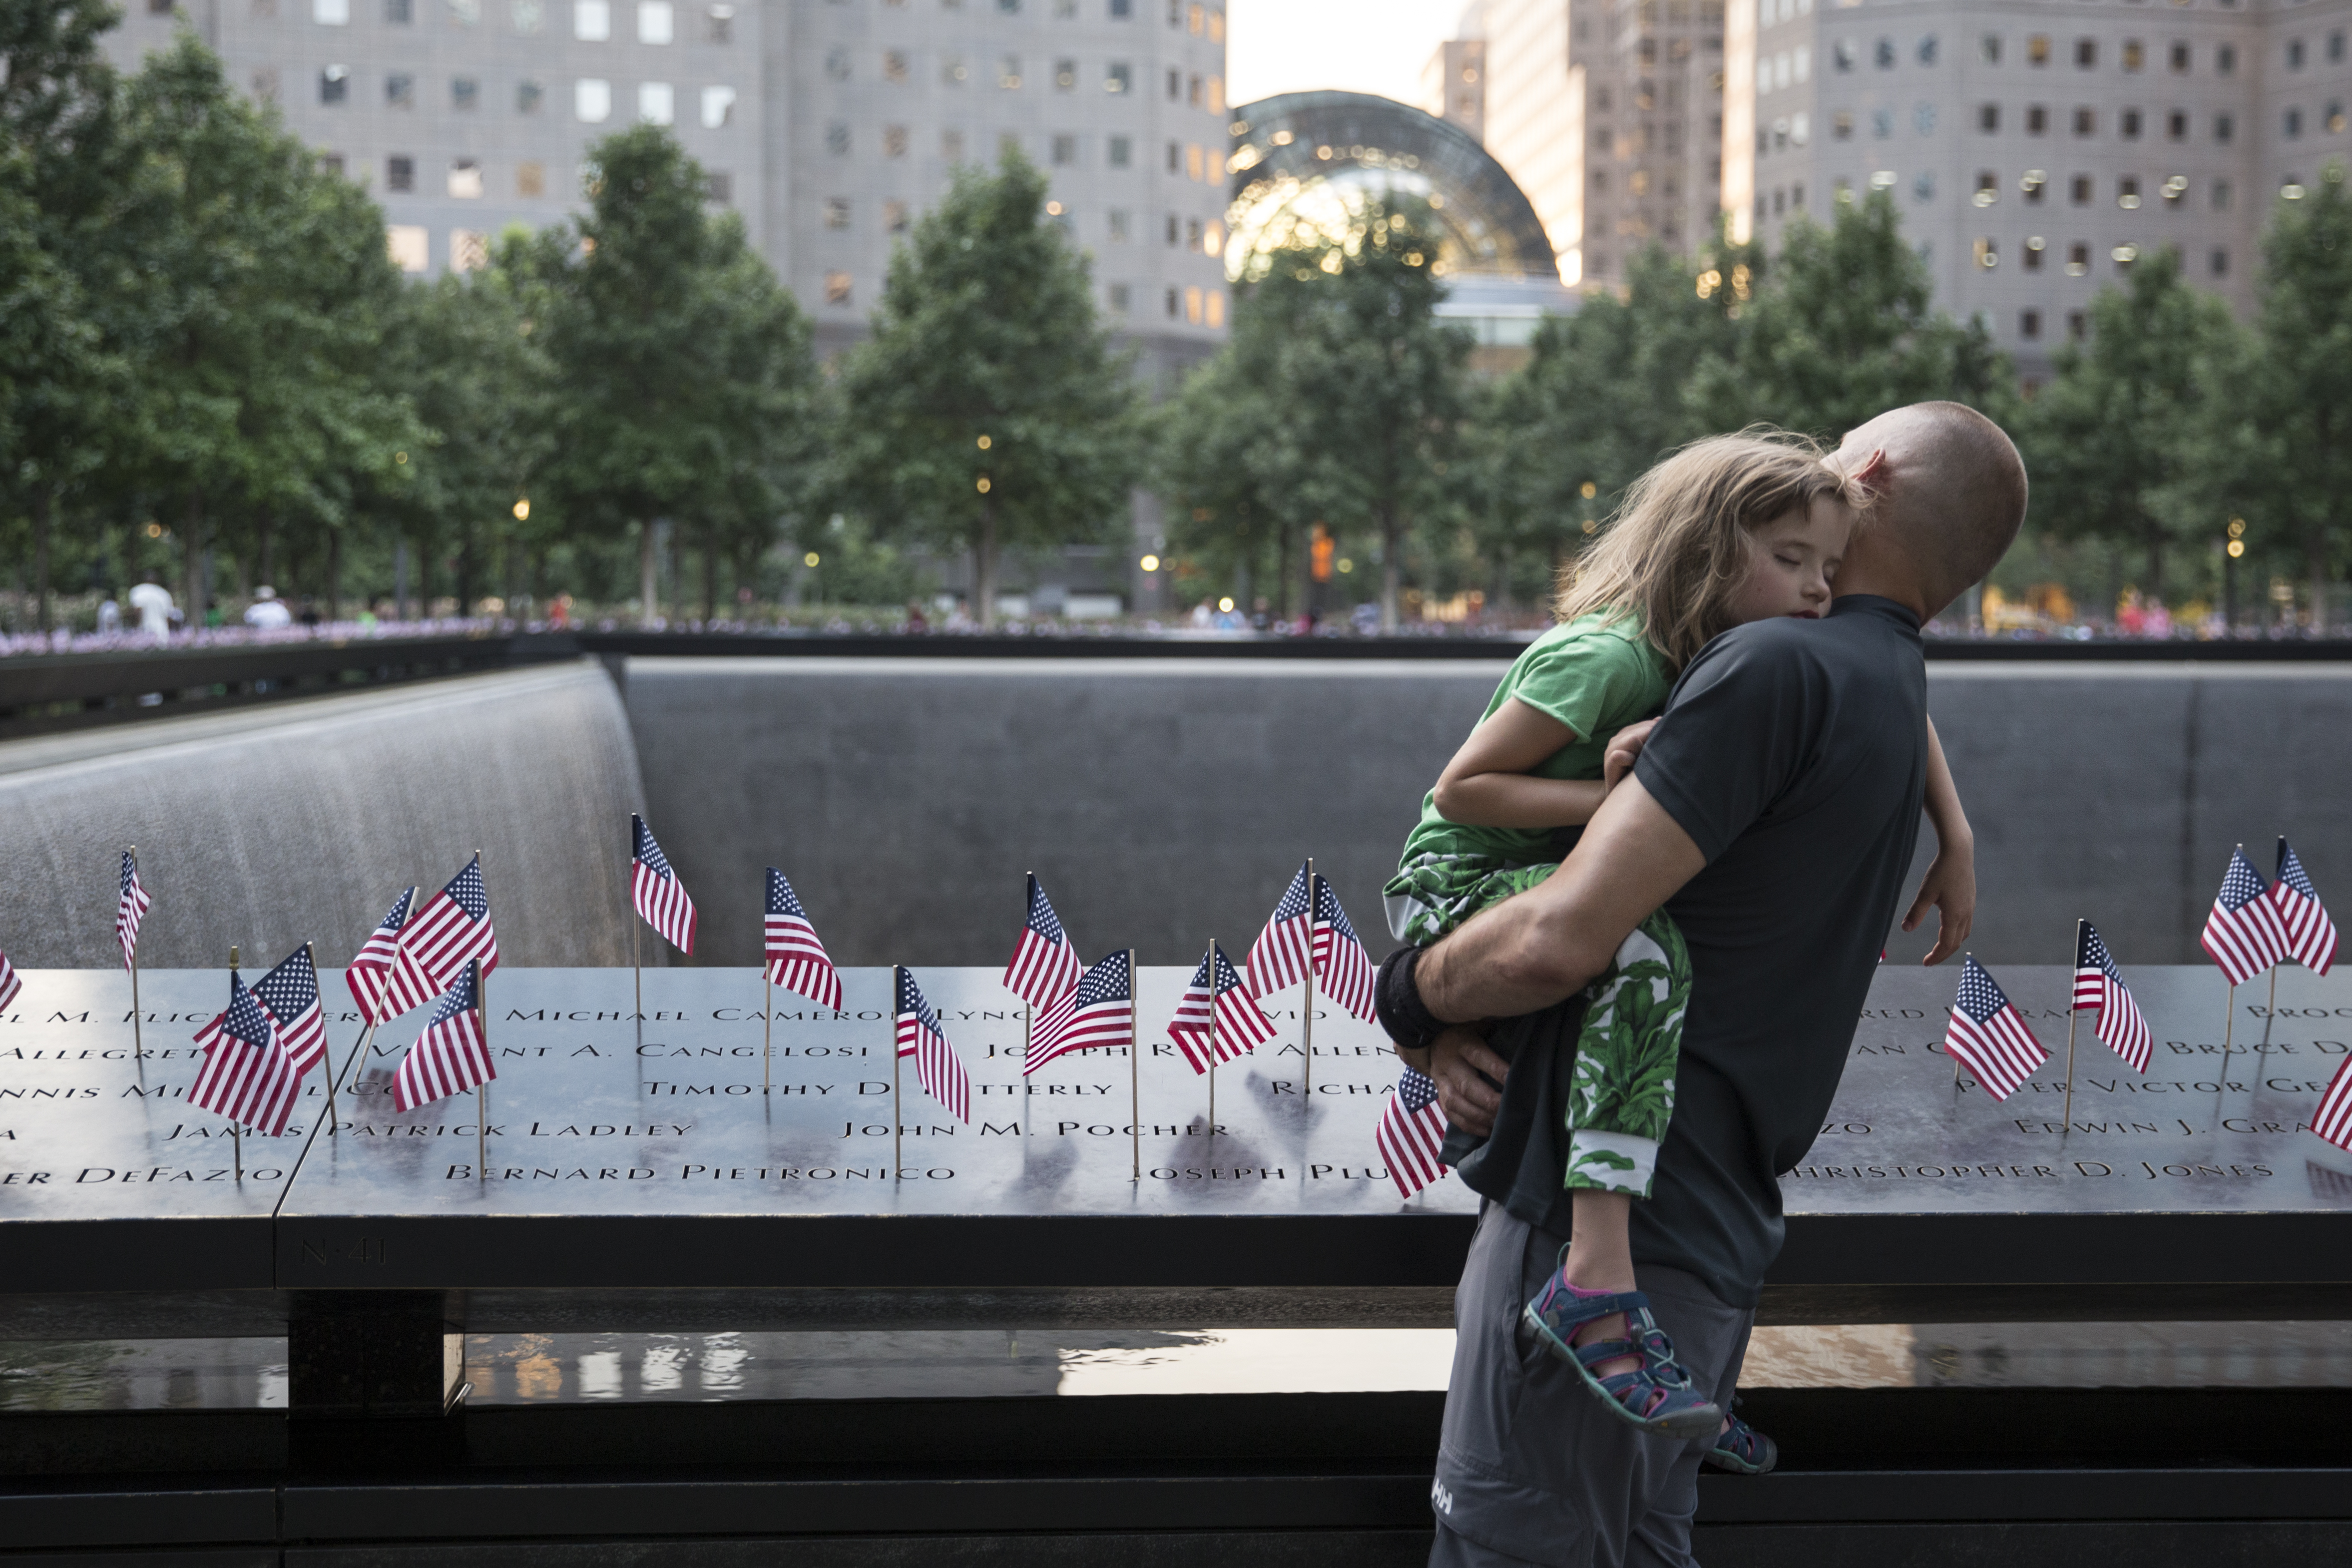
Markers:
point(1307, 1018)
point(137, 1048)
point(482, 1110)
point(1135, 1072)
point(235, 1136)
point(767, 1030)
point(330, 1063)
point(2270, 1008)
point(2228, 1020)
point(1213, 1037)
point(897, 1133)
point(2073, 1012)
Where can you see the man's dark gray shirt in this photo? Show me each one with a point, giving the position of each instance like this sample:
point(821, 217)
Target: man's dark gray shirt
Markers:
point(1795, 755)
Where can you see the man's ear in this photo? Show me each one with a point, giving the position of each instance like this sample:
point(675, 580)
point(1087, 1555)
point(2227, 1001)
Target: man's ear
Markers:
point(1870, 474)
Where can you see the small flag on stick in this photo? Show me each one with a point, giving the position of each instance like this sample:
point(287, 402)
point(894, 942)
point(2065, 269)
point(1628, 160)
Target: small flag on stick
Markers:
point(247, 1076)
point(451, 1055)
point(1987, 1035)
point(130, 910)
point(656, 889)
point(291, 992)
point(376, 975)
point(1098, 1011)
point(1242, 1027)
point(2243, 934)
point(2310, 934)
point(10, 981)
point(2333, 1120)
point(797, 960)
point(2099, 984)
point(1411, 1132)
point(1283, 949)
point(1044, 966)
point(452, 929)
point(1340, 961)
point(937, 1067)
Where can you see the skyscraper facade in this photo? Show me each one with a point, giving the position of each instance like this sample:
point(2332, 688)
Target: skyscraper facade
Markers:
point(829, 124)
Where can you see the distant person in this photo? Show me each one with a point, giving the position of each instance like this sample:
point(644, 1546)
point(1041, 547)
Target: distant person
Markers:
point(153, 601)
point(309, 616)
point(917, 622)
point(1204, 615)
point(559, 613)
point(1729, 530)
point(110, 615)
point(268, 613)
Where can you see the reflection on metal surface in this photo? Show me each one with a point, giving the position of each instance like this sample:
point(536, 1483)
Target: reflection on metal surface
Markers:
point(143, 1375)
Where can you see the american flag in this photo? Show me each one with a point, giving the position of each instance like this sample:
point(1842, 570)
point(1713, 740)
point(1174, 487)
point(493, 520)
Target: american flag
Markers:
point(655, 890)
point(1340, 961)
point(291, 991)
point(376, 976)
point(937, 1067)
point(453, 927)
point(247, 1076)
point(1045, 966)
point(1988, 1037)
point(1411, 1129)
point(2310, 934)
point(2243, 934)
point(1279, 956)
point(2333, 1120)
point(1242, 1027)
point(451, 1056)
point(10, 981)
point(797, 959)
point(2099, 984)
point(130, 910)
point(1098, 1011)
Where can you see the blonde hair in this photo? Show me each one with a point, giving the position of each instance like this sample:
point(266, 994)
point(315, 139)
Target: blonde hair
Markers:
point(1676, 550)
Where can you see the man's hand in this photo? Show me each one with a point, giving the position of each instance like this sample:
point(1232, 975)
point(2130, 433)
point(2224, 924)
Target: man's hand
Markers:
point(1951, 889)
point(1456, 1058)
point(1624, 749)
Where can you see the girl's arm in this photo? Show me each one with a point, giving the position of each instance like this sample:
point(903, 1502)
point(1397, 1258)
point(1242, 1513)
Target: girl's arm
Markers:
point(1950, 884)
point(1487, 783)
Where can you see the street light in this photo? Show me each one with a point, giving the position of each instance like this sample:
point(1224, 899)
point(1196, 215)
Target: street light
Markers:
point(522, 510)
point(2230, 555)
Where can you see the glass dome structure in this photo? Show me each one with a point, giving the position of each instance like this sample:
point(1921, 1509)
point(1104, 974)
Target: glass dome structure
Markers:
point(1310, 160)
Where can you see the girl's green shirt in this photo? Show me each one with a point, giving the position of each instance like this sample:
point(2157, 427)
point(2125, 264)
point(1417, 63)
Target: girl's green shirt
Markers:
point(1592, 678)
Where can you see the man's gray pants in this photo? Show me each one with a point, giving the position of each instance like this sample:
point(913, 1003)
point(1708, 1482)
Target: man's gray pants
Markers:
point(1530, 1468)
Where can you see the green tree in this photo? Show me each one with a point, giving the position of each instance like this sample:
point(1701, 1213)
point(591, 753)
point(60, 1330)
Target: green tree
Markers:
point(2297, 446)
point(683, 372)
point(1843, 328)
point(2121, 441)
point(987, 409)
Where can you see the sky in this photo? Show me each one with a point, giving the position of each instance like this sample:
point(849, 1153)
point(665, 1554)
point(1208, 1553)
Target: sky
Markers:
point(1362, 45)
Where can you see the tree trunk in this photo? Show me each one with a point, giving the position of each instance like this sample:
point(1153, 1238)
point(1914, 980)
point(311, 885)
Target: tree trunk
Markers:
point(191, 559)
point(983, 568)
point(266, 539)
point(400, 577)
point(648, 569)
point(1282, 572)
point(2315, 554)
point(710, 576)
point(334, 574)
point(41, 552)
point(1392, 570)
point(2152, 590)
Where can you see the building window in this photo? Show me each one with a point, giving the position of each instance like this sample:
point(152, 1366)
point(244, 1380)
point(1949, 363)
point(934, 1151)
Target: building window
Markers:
point(2335, 120)
point(410, 246)
point(1923, 118)
point(1989, 49)
point(399, 173)
point(592, 101)
point(2127, 192)
point(2174, 189)
point(529, 95)
point(466, 179)
point(400, 91)
point(1008, 73)
point(1926, 50)
point(1066, 149)
point(894, 216)
point(2037, 120)
point(2219, 263)
point(1119, 152)
point(2291, 123)
point(1840, 55)
point(894, 65)
point(2179, 59)
point(464, 94)
point(1175, 230)
point(2176, 126)
point(836, 212)
point(1193, 162)
point(1882, 123)
point(952, 70)
point(1923, 187)
point(2037, 49)
point(2294, 54)
point(2127, 124)
point(2221, 195)
point(837, 63)
point(1192, 234)
point(2135, 54)
point(1121, 298)
point(656, 23)
point(2035, 183)
point(2029, 324)
point(657, 104)
point(2086, 122)
point(1175, 157)
point(2225, 59)
point(325, 13)
point(531, 178)
point(951, 146)
point(836, 287)
point(2078, 190)
point(2033, 255)
point(592, 20)
point(1988, 117)
point(837, 139)
point(265, 84)
point(718, 25)
point(396, 12)
point(719, 186)
point(1066, 75)
point(2086, 53)
point(1118, 225)
point(1175, 84)
point(1118, 77)
point(2078, 325)
point(1988, 189)
point(1193, 307)
point(529, 17)
point(1987, 254)
point(2224, 127)
point(1120, 10)
point(1841, 129)
point(2334, 49)
point(718, 109)
point(332, 163)
point(1882, 54)
point(894, 141)
point(2078, 260)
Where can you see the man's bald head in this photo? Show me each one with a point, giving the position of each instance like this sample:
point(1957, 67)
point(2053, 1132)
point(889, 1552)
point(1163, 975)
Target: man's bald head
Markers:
point(1950, 492)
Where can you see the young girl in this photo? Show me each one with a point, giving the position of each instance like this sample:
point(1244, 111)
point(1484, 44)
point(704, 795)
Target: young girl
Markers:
point(1730, 530)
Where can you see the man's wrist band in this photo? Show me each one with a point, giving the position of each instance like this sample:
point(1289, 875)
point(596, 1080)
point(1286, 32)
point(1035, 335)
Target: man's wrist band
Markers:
point(1396, 1000)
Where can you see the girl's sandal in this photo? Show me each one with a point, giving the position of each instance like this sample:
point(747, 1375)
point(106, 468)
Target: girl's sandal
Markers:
point(1656, 1396)
point(1740, 1448)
